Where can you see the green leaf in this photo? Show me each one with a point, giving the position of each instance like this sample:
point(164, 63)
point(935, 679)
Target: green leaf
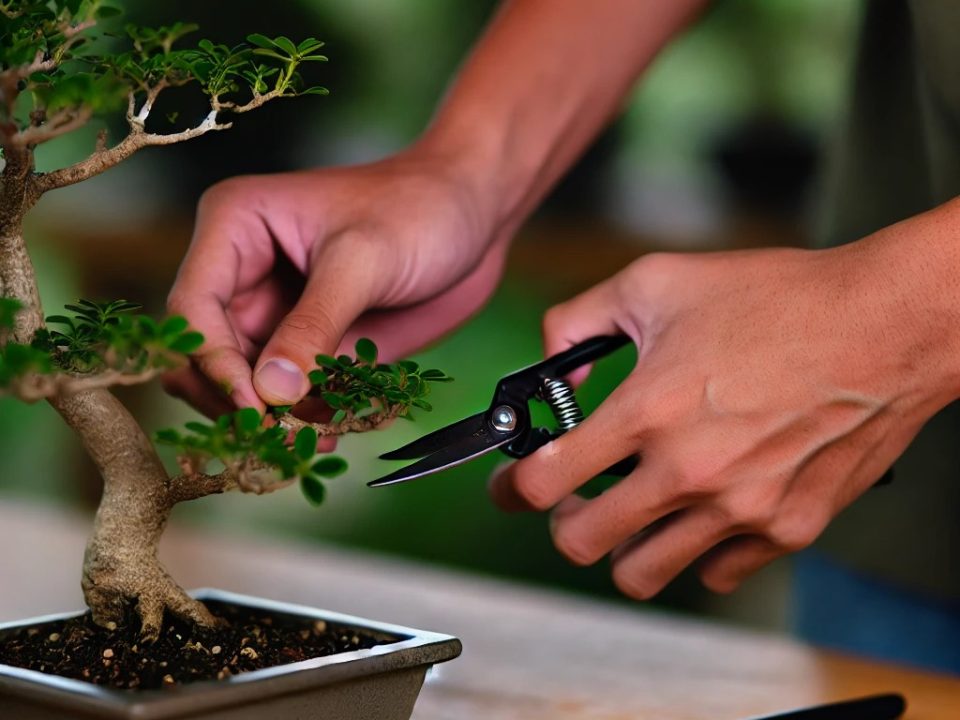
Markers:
point(316, 90)
point(264, 52)
point(313, 489)
point(366, 350)
point(285, 44)
point(435, 376)
point(247, 420)
point(174, 325)
point(309, 45)
point(333, 400)
point(338, 416)
point(107, 11)
point(167, 436)
point(318, 377)
point(327, 361)
point(199, 427)
point(305, 444)
point(9, 307)
point(330, 466)
point(187, 343)
point(260, 40)
point(280, 409)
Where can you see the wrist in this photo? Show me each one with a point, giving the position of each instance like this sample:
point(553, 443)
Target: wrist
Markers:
point(912, 268)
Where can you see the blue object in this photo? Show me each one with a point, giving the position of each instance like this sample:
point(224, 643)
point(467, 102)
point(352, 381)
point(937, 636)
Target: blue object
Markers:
point(838, 608)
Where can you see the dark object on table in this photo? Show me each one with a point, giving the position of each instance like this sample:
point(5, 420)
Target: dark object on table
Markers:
point(875, 707)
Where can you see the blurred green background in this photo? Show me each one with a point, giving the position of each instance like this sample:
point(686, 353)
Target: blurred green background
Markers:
point(721, 146)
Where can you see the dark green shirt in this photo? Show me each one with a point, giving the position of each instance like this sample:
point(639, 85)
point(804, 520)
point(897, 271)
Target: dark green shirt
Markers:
point(899, 155)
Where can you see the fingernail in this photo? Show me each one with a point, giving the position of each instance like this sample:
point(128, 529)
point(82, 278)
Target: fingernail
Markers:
point(280, 381)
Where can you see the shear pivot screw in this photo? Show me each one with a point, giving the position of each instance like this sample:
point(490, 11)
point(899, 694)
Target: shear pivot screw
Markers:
point(504, 418)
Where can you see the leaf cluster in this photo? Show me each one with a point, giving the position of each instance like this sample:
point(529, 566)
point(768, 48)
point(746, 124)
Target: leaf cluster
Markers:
point(111, 336)
point(85, 69)
point(357, 386)
point(17, 359)
point(240, 437)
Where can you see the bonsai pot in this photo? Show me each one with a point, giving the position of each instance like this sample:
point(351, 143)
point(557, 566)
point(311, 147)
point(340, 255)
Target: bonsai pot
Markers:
point(377, 682)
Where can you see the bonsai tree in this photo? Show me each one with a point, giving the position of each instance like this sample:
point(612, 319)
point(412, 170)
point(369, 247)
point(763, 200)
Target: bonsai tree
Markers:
point(58, 71)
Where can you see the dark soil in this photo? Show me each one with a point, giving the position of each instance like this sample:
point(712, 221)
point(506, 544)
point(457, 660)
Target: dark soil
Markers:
point(252, 639)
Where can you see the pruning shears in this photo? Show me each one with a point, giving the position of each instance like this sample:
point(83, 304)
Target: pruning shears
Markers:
point(506, 425)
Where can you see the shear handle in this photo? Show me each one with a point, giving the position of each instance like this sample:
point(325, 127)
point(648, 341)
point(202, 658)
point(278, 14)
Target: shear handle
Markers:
point(580, 354)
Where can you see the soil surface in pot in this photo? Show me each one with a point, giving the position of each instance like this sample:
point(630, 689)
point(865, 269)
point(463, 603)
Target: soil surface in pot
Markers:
point(251, 639)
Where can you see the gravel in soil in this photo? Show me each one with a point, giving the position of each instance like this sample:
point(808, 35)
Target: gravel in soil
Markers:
point(250, 640)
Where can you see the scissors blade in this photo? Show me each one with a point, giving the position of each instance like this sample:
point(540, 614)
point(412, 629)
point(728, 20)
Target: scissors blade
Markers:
point(480, 443)
point(439, 439)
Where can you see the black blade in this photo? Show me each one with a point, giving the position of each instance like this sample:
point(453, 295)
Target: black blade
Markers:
point(438, 439)
point(483, 441)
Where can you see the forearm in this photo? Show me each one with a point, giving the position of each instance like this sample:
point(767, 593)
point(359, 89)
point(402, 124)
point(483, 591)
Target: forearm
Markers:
point(542, 82)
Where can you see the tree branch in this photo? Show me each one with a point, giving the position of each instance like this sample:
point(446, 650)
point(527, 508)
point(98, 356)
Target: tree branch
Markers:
point(248, 475)
point(61, 123)
point(352, 423)
point(102, 160)
point(35, 386)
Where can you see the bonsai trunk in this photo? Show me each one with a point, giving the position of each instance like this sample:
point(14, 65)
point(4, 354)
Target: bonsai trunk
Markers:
point(121, 566)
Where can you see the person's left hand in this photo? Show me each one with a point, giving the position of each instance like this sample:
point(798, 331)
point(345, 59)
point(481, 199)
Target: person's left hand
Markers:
point(772, 388)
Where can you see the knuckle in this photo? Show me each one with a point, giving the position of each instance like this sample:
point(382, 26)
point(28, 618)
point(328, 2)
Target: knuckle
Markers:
point(303, 330)
point(792, 532)
point(536, 494)
point(571, 543)
point(533, 488)
point(718, 582)
point(695, 479)
point(628, 581)
point(744, 513)
point(225, 191)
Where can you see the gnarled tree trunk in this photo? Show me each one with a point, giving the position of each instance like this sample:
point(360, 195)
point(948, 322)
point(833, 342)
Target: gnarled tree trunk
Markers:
point(121, 566)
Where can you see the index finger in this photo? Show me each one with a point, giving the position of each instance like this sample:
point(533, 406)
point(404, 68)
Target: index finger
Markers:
point(204, 286)
point(553, 472)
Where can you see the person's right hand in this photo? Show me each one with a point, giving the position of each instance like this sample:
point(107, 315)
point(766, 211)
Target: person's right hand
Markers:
point(283, 267)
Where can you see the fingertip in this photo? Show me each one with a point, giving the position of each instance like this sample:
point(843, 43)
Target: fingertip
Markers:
point(280, 381)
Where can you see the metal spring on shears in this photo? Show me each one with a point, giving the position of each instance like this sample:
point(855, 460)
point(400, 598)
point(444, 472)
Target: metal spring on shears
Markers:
point(563, 402)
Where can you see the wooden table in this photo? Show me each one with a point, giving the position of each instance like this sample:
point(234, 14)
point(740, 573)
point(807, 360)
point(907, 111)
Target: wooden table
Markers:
point(528, 654)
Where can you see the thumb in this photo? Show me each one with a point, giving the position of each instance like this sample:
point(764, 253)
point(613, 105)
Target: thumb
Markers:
point(591, 313)
point(338, 291)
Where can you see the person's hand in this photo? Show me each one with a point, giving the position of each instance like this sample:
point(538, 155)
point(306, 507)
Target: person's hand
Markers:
point(283, 267)
point(772, 388)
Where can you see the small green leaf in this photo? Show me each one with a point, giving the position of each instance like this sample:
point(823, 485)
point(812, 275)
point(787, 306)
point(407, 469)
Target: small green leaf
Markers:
point(316, 90)
point(247, 420)
point(260, 40)
point(280, 409)
point(338, 416)
point(107, 11)
point(199, 427)
point(318, 377)
point(333, 400)
point(187, 343)
point(313, 489)
point(330, 466)
point(327, 361)
point(285, 44)
point(366, 350)
point(174, 325)
point(305, 444)
point(167, 436)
